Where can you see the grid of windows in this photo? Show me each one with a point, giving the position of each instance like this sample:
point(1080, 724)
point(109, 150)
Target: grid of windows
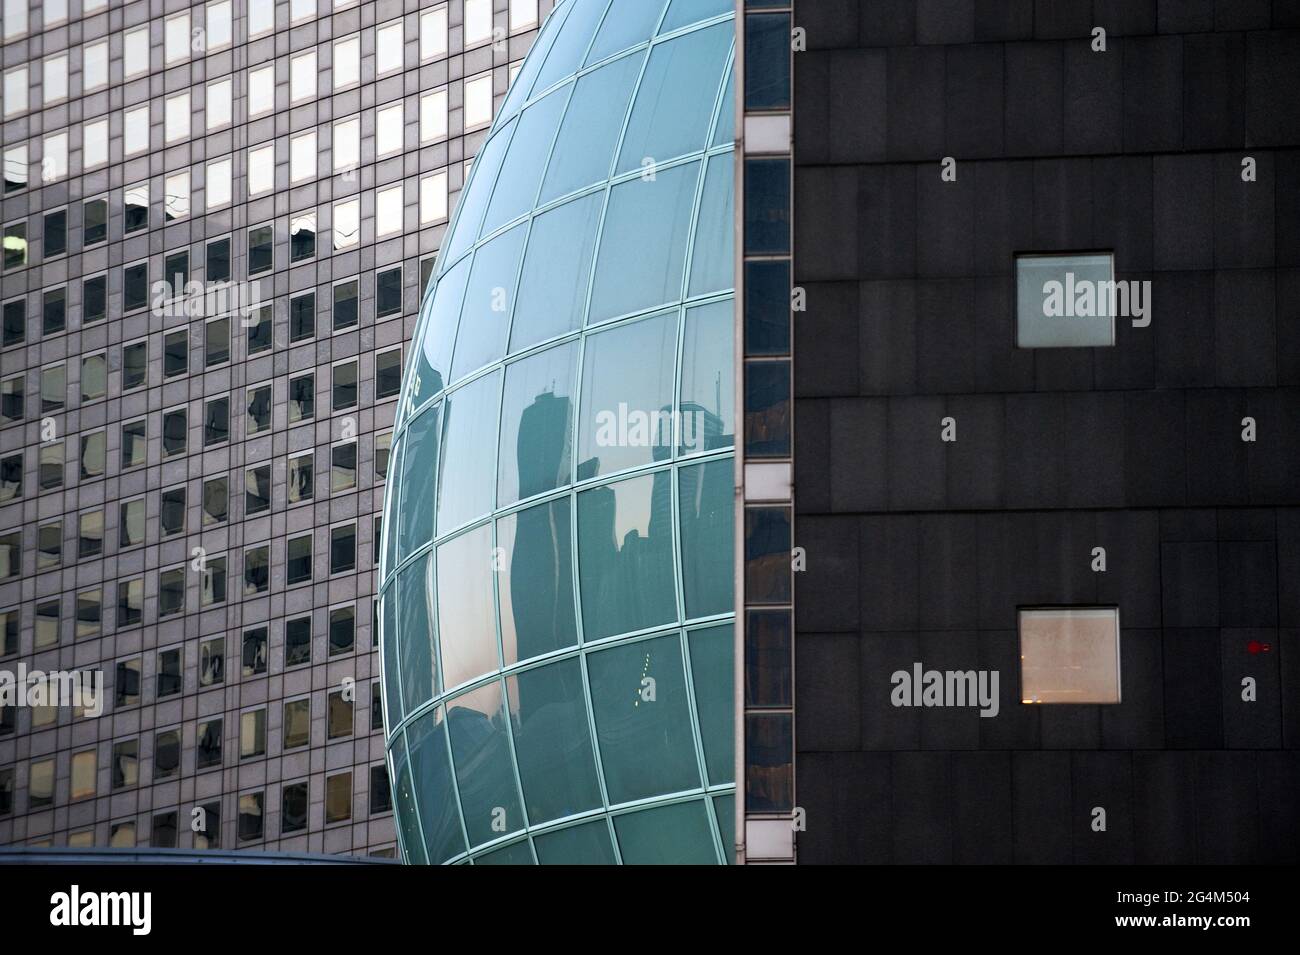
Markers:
point(189, 293)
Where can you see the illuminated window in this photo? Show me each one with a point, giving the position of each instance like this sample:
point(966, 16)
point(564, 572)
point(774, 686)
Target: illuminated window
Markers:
point(1069, 655)
point(478, 101)
point(1070, 301)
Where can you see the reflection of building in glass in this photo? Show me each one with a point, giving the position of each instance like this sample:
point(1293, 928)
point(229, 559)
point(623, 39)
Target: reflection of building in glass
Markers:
point(556, 599)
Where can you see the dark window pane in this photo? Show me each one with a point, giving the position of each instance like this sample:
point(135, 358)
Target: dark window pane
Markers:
point(216, 494)
point(134, 364)
point(163, 835)
point(388, 373)
point(343, 548)
point(166, 754)
point(54, 311)
point(302, 398)
point(15, 245)
point(259, 331)
point(298, 559)
point(94, 299)
point(381, 799)
point(767, 206)
point(15, 322)
point(767, 408)
point(136, 209)
point(174, 432)
point(345, 385)
point(207, 744)
point(767, 61)
point(707, 506)
point(767, 307)
point(257, 489)
point(388, 292)
point(216, 421)
point(343, 628)
point(130, 602)
point(135, 286)
point(769, 762)
point(250, 817)
point(259, 409)
point(293, 808)
point(302, 317)
point(302, 237)
point(218, 261)
point(254, 651)
point(176, 353)
point(56, 233)
point(297, 641)
point(767, 658)
point(176, 272)
point(767, 555)
point(257, 578)
point(345, 305)
point(95, 221)
point(169, 673)
point(260, 255)
point(171, 512)
point(216, 342)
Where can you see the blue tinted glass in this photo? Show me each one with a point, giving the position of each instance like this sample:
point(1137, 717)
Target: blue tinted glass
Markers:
point(712, 263)
point(767, 61)
point(419, 466)
point(485, 773)
point(643, 720)
point(465, 613)
point(627, 396)
point(708, 407)
point(392, 511)
point(469, 453)
point(724, 130)
point(643, 244)
point(566, 53)
point(516, 187)
point(523, 84)
point(679, 834)
point(685, 12)
point(767, 409)
point(584, 148)
point(535, 581)
point(404, 809)
point(713, 676)
point(474, 197)
point(767, 206)
point(627, 23)
point(625, 558)
point(705, 500)
point(437, 333)
point(536, 421)
point(415, 628)
point(553, 286)
point(485, 319)
point(685, 71)
point(553, 741)
point(431, 775)
point(517, 853)
point(587, 844)
point(767, 307)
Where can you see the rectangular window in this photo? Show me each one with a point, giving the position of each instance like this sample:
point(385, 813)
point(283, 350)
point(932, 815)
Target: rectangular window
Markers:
point(218, 183)
point(297, 641)
point(54, 311)
point(216, 421)
point(54, 162)
point(260, 253)
point(259, 410)
point(127, 683)
point(260, 326)
point(1071, 301)
point(343, 630)
point(55, 229)
point(83, 775)
point(174, 432)
point(298, 559)
point(135, 445)
point(49, 545)
point(293, 808)
point(135, 130)
point(345, 385)
point(345, 304)
point(343, 466)
point(347, 62)
point(90, 534)
point(130, 602)
point(252, 734)
point(12, 400)
point(257, 489)
point(388, 48)
point(254, 651)
point(338, 798)
point(302, 77)
point(216, 342)
point(302, 237)
point(176, 196)
point(40, 785)
point(433, 33)
point(339, 717)
point(346, 224)
point(176, 38)
point(94, 377)
point(167, 763)
point(343, 549)
point(207, 744)
point(176, 118)
point(251, 824)
point(212, 582)
point(478, 22)
point(389, 129)
point(54, 389)
point(302, 317)
point(94, 144)
point(216, 500)
point(170, 678)
point(388, 292)
point(347, 144)
point(15, 323)
point(171, 511)
point(388, 210)
point(92, 455)
point(478, 101)
point(302, 398)
point(217, 110)
point(388, 373)
point(11, 477)
point(383, 450)
point(300, 477)
point(135, 359)
point(217, 261)
point(297, 723)
point(212, 662)
point(207, 834)
point(94, 299)
point(217, 23)
point(15, 245)
point(162, 834)
point(1069, 655)
point(302, 157)
point(261, 17)
point(130, 523)
point(176, 353)
point(261, 169)
point(257, 573)
point(135, 215)
point(171, 591)
point(135, 286)
point(126, 764)
point(433, 198)
point(381, 799)
point(15, 169)
point(433, 116)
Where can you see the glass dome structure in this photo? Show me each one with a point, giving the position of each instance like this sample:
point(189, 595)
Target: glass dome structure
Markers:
point(556, 573)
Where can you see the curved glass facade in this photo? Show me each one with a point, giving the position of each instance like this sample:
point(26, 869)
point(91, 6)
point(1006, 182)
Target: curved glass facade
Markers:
point(557, 566)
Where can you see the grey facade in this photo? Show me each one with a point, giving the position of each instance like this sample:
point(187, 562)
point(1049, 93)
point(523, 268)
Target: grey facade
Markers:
point(923, 550)
point(263, 588)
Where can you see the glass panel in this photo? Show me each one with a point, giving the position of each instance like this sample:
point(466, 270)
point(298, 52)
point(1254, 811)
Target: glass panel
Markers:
point(767, 307)
point(521, 171)
point(552, 295)
point(767, 206)
point(769, 762)
point(706, 504)
point(707, 408)
point(571, 43)
point(767, 658)
point(627, 396)
point(553, 741)
point(584, 148)
point(535, 581)
point(475, 196)
point(712, 674)
point(767, 61)
point(643, 244)
point(437, 334)
point(392, 656)
point(767, 409)
point(439, 817)
point(485, 318)
point(625, 554)
point(485, 773)
point(1070, 655)
point(1068, 301)
point(417, 667)
point(767, 555)
point(419, 466)
point(685, 72)
point(466, 618)
point(468, 464)
point(404, 807)
point(587, 844)
point(627, 23)
point(643, 720)
point(523, 83)
point(536, 422)
point(679, 834)
point(711, 261)
point(724, 811)
point(725, 130)
point(684, 12)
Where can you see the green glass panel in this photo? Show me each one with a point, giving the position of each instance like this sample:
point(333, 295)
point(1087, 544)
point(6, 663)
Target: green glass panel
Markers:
point(712, 264)
point(625, 556)
point(643, 720)
point(667, 835)
point(485, 773)
point(517, 853)
point(708, 399)
point(724, 808)
point(404, 807)
point(586, 844)
point(536, 422)
point(431, 778)
point(485, 318)
point(419, 465)
point(706, 504)
point(467, 478)
point(535, 581)
point(643, 242)
point(552, 295)
point(415, 632)
point(521, 172)
point(627, 23)
point(713, 674)
point(465, 612)
point(625, 419)
point(686, 72)
point(584, 148)
point(553, 741)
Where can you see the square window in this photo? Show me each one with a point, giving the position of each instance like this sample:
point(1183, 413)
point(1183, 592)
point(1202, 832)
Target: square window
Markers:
point(216, 500)
point(1069, 655)
point(297, 641)
point(1070, 301)
point(216, 337)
